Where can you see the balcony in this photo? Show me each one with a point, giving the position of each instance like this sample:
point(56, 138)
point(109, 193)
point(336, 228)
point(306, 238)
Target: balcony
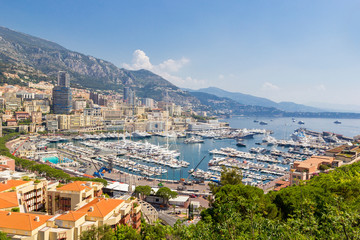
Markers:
point(136, 217)
point(136, 210)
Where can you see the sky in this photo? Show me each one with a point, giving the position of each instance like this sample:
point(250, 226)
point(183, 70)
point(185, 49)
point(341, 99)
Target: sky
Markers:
point(303, 51)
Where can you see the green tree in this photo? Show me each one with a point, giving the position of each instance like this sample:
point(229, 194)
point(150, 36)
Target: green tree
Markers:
point(125, 232)
point(166, 194)
point(3, 236)
point(103, 232)
point(143, 191)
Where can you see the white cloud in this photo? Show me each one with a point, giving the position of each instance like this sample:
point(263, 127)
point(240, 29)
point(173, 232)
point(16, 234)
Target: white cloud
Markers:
point(139, 61)
point(165, 69)
point(269, 86)
point(221, 76)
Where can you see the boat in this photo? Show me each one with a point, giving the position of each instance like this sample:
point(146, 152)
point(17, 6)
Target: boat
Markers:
point(263, 123)
point(193, 140)
point(240, 144)
point(301, 122)
point(140, 134)
point(337, 122)
point(255, 121)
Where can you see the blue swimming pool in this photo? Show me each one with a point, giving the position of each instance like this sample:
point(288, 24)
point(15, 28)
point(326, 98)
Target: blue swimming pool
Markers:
point(55, 160)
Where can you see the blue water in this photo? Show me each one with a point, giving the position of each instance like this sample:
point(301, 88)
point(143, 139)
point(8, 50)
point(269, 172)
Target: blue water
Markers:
point(55, 160)
point(282, 128)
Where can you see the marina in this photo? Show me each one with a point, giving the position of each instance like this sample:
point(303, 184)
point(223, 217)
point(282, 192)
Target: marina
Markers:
point(262, 156)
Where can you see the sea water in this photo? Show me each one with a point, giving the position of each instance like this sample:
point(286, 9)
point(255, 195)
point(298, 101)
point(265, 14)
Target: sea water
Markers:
point(282, 129)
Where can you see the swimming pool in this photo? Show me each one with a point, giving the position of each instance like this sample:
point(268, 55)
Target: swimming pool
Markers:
point(55, 160)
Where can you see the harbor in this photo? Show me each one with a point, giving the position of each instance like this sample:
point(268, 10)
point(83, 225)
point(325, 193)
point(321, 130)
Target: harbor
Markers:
point(191, 155)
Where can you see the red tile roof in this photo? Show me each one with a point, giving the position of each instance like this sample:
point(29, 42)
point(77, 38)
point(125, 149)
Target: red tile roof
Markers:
point(71, 216)
point(22, 221)
point(100, 207)
point(11, 184)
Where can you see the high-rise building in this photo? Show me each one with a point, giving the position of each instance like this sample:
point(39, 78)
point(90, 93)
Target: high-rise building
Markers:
point(62, 97)
point(63, 79)
point(129, 96)
point(126, 93)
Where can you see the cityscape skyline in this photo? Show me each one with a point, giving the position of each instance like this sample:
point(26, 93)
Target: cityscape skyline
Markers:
point(284, 51)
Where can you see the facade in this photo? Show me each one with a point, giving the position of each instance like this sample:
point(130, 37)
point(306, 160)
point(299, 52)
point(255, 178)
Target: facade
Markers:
point(62, 100)
point(129, 96)
point(32, 193)
point(79, 104)
point(62, 97)
point(52, 125)
point(21, 116)
point(302, 171)
point(63, 79)
point(7, 162)
point(36, 117)
point(72, 196)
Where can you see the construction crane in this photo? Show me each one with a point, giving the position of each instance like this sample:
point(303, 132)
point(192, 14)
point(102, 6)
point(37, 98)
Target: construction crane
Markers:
point(193, 170)
point(20, 146)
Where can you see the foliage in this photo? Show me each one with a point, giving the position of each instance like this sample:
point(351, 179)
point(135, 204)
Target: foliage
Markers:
point(143, 191)
point(3, 236)
point(166, 193)
point(103, 232)
point(324, 167)
point(15, 209)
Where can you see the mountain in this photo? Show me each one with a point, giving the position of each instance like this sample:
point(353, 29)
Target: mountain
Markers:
point(21, 51)
point(247, 99)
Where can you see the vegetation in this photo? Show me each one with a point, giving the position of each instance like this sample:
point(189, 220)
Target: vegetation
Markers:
point(143, 191)
point(324, 167)
point(326, 207)
point(166, 194)
point(15, 209)
point(3, 236)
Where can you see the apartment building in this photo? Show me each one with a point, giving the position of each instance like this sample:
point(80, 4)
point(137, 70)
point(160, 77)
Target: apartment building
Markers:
point(32, 193)
point(72, 196)
point(305, 170)
point(69, 225)
point(36, 117)
point(7, 163)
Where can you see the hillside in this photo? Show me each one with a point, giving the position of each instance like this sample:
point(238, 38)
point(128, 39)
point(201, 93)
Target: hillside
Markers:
point(21, 51)
point(247, 99)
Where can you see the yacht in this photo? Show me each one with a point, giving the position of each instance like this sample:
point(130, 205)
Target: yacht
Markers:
point(193, 140)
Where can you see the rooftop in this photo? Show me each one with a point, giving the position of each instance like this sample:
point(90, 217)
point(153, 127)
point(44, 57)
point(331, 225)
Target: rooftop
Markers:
point(313, 161)
point(8, 200)
point(100, 207)
point(71, 216)
point(22, 221)
point(11, 184)
point(76, 186)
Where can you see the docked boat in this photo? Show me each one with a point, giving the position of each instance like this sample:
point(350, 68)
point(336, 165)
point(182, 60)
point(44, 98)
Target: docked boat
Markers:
point(240, 144)
point(140, 134)
point(193, 140)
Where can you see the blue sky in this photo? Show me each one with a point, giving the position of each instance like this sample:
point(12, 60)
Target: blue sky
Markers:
point(302, 51)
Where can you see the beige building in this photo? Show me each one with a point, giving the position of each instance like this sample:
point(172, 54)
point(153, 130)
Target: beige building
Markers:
point(32, 193)
point(64, 122)
point(71, 224)
point(72, 196)
point(305, 170)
